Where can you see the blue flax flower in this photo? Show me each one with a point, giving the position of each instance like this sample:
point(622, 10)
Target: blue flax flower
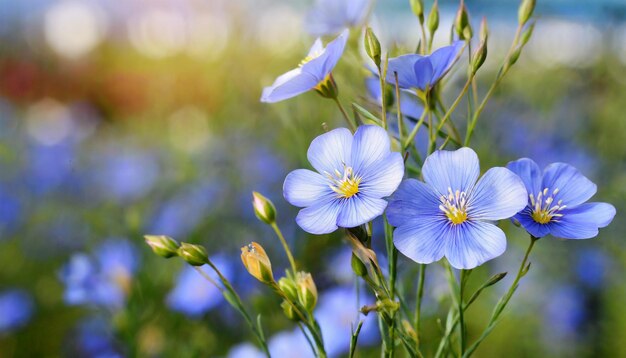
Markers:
point(16, 309)
point(417, 71)
point(353, 175)
point(328, 17)
point(314, 70)
point(451, 214)
point(556, 202)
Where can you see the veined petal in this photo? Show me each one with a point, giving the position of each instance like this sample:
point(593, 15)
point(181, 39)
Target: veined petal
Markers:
point(422, 241)
point(319, 67)
point(529, 172)
point(583, 221)
point(413, 201)
point(303, 188)
point(423, 73)
point(474, 242)
point(457, 170)
point(331, 151)
point(499, 194)
point(320, 218)
point(370, 145)
point(534, 228)
point(403, 65)
point(574, 188)
point(381, 179)
point(360, 209)
point(288, 85)
point(443, 59)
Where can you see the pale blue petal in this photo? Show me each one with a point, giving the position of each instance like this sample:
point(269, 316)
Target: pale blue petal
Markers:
point(331, 151)
point(320, 218)
point(327, 17)
point(410, 105)
point(529, 224)
point(356, 10)
point(423, 73)
point(472, 243)
point(443, 59)
point(457, 170)
point(583, 221)
point(381, 179)
point(288, 85)
point(499, 194)
point(574, 188)
point(360, 209)
point(317, 48)
point(413, 201)
point(303, 188)
point(370, 145)
point(321, 66)
point(529, 172)
point(403, 65)
point(373, 89)
point(422, 241)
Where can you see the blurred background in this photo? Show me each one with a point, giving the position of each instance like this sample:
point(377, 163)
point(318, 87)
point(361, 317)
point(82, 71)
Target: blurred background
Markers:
point(125, 118)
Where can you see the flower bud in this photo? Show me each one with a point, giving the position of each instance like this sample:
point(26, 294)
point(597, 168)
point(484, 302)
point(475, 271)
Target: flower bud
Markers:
point(263, 208)
point(195, 255)
point(527, 34)
point(289, 311)
point(479, 57)
point(288, 287)
point(372, 46)
point(433, 18)
point(418, 9)
point(462, 23)
point(514, 56)
point(484, 31)
point(163, 246)
point(257, 263)
point(358, 267)
point(525, 11)
point(307, 292)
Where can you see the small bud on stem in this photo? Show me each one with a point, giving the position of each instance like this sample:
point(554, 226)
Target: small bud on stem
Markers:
point(257, 263)
point(263, 208)
point(195, 255)
point(163, 246)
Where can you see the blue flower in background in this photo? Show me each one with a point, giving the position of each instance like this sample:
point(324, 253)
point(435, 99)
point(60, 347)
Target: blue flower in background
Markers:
point(353, 175)
point(16, 309)
point(451, 214)
point(556, 202)
point(193, 295)
point(409, 103)
point(592, 267)
point(10, 211)
point(417, 71)
point(94, 338)
point(312, 71)
point(103, 280)
point(328, 17)
point(564, 313)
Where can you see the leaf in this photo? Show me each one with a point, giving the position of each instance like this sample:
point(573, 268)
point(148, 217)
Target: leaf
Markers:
point(366, 114)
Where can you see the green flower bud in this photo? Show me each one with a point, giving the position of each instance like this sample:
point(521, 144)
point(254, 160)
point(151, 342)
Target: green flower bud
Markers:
point(195, 255)
point(289, 311)
point(527, 34)
point(358, 267)
point(484, 31)
point(433, 18)
point(514, 56)
point(288, 287)
point(462, 23)
point(163, 246)
point(372, 46)
point(307, 291)
point(479, 57)
point(257, 263)
point(418, 9)
point(525, 11)
point(263, 208)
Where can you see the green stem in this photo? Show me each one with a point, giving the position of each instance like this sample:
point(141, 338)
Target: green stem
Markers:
point(418, 301)
point(345, 115)
point(382, 73)
point(279, 233)
point(454, 104)
point(401, 132)
point(461, 310)
point(413, 133)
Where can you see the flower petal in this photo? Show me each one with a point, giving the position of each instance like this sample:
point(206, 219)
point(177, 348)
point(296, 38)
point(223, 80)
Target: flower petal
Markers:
point(403, 65)
point(499, 194)
point(360, 209)
point(320, 218)
point(356, 10)
point(457, 170)
point(423, 73)
point(583, 221)
point(410, 105)
point(288, 85)
point(534, 228)
point(319, 67)
point(529, 172)
point(413, 201)
point(381, 179)
point(304, 187)
point(574, 188)
point(331, 151)
point(443, 59)
point(422, 241)
point(473, 243)
point(371, 144)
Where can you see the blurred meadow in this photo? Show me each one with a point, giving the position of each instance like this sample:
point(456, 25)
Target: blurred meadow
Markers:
point(125, 118)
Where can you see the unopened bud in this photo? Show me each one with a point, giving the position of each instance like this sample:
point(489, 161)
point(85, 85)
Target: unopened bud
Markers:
point(495, 279)
point(514, 56)
point(479, 57)
point(163, 246)
point(525, 11)
point(257, 263)
point(289, 311)
point(372, 46)
point(358, 267)
point(263, 208)
point(307, 292)
point(418, 9)
point(484, 31)
point(462, 23)
point(527, 34)
point(288, 287)
point(195, 255)
point(433, 18)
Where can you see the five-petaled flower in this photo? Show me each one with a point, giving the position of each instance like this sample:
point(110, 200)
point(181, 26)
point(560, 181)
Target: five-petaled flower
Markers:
point(422, 72)
point(328, 17)
point(450, 214)
point(353, 176)
point(557, 204)
point(313, 72)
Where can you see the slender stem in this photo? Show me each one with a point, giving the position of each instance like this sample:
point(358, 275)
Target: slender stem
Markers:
point(460, 308)
point(279, 233)
point(413, 133)
point(455, 103)
point(424, 40)
point(382, 73)
point(345, 115)
point(401, 132)
point(418, 301)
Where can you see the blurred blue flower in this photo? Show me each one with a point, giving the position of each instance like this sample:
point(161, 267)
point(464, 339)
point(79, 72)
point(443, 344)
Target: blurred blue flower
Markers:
point(328, 17)
point(16, 309)
point(103, 279)
point(564, 313)
point(353, 175)
point(245, 350)
point(451, 214)
point(312, 71)
point(417, 71)
point(10, 211)
point(592, 267)
point(49, 166)
point(193, 295)
point(557, 201)
point(94, 339)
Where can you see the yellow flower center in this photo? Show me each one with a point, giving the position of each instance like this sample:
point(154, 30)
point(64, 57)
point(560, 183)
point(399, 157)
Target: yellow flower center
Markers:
point(454, 205)
point(543, 211)
point(345, 184)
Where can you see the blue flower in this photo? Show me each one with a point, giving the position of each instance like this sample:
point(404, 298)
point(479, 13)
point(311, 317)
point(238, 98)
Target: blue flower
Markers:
point(417, 71)
point(556, 202)
point(16, 309)
point(409, 103)
point(312, 71)
point(450, 214)
point(328, 17)
point(353, 175)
